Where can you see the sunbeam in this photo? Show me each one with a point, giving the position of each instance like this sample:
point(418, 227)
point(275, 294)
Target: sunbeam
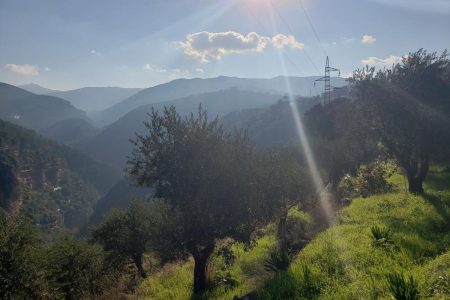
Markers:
point(324, 199)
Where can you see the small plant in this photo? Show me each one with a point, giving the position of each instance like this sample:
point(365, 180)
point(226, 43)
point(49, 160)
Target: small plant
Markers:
point(401, 288)
point(381, 236)
point(277, 262)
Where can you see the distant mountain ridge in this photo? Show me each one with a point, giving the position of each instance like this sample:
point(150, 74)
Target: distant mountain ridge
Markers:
point(36, 89)
point(301, 86)
point(111, 145)
point(89, 99)
point(33, 111)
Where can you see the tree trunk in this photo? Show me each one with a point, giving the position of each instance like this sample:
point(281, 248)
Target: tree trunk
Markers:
point(416, 174)
point(200, 267)
point(282, 240)
point(415, 185)
point(137, 259)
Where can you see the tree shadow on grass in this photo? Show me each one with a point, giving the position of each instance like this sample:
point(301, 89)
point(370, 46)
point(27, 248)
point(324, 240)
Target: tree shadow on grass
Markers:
point(439, 205)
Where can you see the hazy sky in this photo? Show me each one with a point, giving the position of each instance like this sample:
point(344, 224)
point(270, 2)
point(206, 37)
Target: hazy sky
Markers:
point(65, 44)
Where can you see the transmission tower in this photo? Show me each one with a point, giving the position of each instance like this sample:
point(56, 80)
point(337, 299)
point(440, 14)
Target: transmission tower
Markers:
point(327, 85)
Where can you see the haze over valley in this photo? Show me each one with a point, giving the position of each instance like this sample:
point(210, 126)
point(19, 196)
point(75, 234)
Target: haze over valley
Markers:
point(225, 149)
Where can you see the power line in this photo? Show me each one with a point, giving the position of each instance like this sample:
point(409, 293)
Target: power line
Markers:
point(263, 26)
point(312, 26)
point(292, 33)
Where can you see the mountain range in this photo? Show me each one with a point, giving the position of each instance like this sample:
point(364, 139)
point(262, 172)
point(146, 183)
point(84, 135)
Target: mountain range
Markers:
point(89, 99)
point(258, 105)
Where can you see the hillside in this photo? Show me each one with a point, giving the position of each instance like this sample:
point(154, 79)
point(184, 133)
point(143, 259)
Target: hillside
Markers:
point(34, 111)
point(53, 185)
point(343, 261)
point(111, 146)
point(72, 132)
point(117, 197)
point(303, 86)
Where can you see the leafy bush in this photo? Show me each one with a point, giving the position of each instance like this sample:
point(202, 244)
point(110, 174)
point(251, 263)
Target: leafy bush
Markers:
point(369, 180)
point(402, 289)
point(19, 268)
point(277, 262)
point(298, 229)
point(76, 268)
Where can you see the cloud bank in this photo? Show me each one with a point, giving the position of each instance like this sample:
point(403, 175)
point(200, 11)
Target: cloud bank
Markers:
point(206, 45)
point(29, 70)
point(368, 39)
point(390, 60)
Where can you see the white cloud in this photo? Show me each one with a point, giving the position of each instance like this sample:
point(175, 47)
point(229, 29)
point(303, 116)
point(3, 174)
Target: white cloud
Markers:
point(390, 60)
point(47, 69)
point(368, 39)
point(25, 69)
point(153, 68)
point(200, 70)
point(206, 45)
point(280, 40)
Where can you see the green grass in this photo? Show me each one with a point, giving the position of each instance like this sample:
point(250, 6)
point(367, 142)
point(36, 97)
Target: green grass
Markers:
point(342, 262)
point(347, 266)
point(175, 281)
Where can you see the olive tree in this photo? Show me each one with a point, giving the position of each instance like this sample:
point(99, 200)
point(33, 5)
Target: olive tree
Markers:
point(204, 174)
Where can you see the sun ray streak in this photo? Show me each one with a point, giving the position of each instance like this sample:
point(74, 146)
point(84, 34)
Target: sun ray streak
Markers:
point(324, 199)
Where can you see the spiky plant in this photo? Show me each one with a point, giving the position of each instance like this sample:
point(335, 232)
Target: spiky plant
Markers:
point(402, 288)
point(277, 262)
point(381, 236)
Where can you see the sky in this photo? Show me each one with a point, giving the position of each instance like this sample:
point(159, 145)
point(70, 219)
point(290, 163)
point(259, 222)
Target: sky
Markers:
point(75, 43)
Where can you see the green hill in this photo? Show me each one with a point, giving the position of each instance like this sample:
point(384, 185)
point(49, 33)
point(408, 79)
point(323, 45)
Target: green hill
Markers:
point(343, 261)
point(53, 185)
point(33, 111)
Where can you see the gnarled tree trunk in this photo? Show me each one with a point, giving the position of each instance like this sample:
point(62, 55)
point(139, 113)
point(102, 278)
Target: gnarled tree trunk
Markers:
point(416, 173)
point(137, 259)
point(201, 257)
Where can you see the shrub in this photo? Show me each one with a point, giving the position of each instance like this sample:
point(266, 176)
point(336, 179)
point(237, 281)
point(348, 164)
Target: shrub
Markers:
point(402, 289)
point(277, 262)
point(19, 257)
point(76, 269)
point(369, 180)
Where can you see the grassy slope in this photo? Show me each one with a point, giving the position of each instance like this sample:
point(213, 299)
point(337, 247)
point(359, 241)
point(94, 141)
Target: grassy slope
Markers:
point(343, 262)
point(346, 266)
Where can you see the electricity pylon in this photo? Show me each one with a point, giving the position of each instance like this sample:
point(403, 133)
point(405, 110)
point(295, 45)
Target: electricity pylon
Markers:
point(327, 86)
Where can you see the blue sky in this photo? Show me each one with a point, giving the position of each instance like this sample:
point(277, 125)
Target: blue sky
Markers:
point(73, 43)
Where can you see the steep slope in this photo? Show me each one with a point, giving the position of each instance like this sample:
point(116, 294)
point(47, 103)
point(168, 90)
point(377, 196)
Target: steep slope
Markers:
point(54, 185)
point(91, 99)
point(36, 89)
point(111, 146)
point(118, 197)
point(347, 262)
point(34, 111)
point(275, 125)
point(303, 86)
